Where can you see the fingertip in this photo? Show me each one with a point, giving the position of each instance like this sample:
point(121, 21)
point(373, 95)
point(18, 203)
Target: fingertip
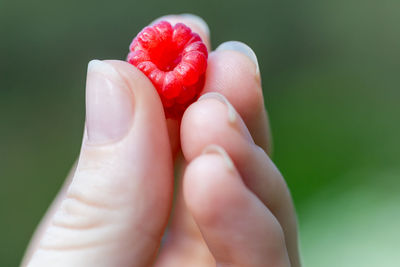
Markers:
point(236, 226)
point(128, 72)
point(207, 180)
point(199, 21)
point(243, 49)
point(212, 119)
point(196, 23)
point(146, 96)
point(109, 104)
point(233, 74)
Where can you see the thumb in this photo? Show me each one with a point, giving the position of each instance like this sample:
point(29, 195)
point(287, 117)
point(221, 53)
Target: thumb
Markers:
point(114, 211)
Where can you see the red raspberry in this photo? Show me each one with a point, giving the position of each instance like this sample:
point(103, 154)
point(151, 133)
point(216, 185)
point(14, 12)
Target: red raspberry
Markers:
point(175, 60)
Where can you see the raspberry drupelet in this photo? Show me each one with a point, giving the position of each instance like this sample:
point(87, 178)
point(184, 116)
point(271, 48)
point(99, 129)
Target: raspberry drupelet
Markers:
point(175, 60)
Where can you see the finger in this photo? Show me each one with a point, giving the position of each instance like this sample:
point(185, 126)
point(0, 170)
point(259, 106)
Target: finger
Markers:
point(183, 244)
point(116, 207)
point(184, 240)
point(213, 120)
point(194, 22)
point(233, 71)
point(238, 228)
point(45, 222)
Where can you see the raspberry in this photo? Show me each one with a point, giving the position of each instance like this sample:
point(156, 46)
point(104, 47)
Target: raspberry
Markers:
point(175, 60)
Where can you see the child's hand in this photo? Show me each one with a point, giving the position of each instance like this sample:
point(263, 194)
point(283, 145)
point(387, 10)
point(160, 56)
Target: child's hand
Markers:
point(115, 205)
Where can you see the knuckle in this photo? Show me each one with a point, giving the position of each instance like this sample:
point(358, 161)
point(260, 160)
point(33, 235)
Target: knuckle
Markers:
point(79, 212)
point(79, 223)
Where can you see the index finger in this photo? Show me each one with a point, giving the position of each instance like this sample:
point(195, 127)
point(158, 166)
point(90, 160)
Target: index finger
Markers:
point(233, 71)
point(199, 26)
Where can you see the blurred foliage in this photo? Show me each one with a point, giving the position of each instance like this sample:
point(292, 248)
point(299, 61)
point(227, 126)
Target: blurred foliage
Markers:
point(330, 72)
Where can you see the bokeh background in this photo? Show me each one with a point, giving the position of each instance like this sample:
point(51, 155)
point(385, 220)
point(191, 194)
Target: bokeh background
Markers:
point(330, 72)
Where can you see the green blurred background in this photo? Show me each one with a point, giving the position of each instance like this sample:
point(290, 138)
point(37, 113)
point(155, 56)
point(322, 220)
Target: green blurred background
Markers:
point(330, 72)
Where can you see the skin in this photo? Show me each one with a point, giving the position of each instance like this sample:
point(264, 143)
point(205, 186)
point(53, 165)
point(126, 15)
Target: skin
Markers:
point(232, 206)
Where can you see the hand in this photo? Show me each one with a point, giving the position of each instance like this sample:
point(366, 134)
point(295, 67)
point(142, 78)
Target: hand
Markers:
point(233, 208)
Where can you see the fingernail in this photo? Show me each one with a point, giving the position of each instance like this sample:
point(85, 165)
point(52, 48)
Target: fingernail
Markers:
point(198, 21)
point(109, 104)
point(232, 113)
point(214, 149)
point(242, 48)
point(232, 117)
